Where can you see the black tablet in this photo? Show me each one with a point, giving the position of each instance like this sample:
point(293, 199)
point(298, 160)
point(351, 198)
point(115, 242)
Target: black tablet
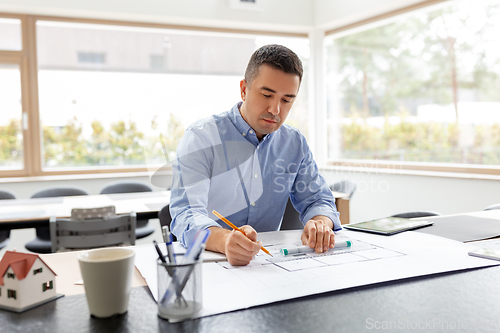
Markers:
point(388, 225)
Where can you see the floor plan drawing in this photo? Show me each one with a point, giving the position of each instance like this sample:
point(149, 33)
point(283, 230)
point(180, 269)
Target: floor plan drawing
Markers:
point(359, 251)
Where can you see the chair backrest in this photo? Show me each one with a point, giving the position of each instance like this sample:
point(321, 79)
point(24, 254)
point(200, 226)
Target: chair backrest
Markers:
point(344, 186)
point(291, 218)
point(130, 187)
point(5, 195)
point(166, 218)
point(52, 192)
point(5, 234)
point(496, 206)
point(92, 233)
point(411, 215)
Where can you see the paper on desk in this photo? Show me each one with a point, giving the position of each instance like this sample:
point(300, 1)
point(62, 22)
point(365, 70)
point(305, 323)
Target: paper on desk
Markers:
point(487, 244)
point(405, 255)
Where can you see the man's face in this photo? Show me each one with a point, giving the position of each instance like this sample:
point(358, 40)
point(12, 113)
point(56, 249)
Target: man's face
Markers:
point(268, 99)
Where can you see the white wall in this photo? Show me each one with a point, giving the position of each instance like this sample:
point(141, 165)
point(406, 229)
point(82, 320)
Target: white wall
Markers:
point(282, 15)
point(380, 195)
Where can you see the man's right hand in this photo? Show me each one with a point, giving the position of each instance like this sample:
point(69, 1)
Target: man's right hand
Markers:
point(238, 248)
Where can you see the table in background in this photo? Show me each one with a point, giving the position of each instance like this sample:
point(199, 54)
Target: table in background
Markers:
point(468, 299)
point(32, 213)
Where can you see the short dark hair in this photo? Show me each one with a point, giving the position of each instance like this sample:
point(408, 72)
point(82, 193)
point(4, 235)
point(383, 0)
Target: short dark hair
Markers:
point(276, 56)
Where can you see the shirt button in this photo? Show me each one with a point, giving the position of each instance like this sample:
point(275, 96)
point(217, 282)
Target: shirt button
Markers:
point(258, 147)
point(251, 132)
point(256, 176)
point(253, 204)
point(243, 134)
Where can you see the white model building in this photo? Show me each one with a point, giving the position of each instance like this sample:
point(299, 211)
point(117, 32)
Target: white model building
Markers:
point(25, 280)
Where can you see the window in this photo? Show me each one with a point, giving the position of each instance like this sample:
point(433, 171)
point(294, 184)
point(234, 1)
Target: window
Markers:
point(117, 98)
point(47, 286)
point(10, 30)
point(11, 132)
point(155, 81)
point(36, 271)
point(11, 294)
point(11, 276)
point(423, 88)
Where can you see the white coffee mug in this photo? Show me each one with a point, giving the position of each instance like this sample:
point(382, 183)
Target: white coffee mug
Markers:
point(107, 278)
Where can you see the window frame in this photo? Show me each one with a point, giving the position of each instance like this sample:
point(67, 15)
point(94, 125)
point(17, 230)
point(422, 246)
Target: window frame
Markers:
point(11, 293)
point(47, 286)
point(21, 58)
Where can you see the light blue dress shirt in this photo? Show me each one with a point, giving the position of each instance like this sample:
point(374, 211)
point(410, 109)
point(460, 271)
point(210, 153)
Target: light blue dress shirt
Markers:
point(222, 166)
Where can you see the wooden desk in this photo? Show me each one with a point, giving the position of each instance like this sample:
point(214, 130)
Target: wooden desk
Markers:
point(32, 213)
point(342, 203)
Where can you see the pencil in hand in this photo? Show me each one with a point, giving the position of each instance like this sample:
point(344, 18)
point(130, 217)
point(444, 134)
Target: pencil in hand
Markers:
point(236, 228)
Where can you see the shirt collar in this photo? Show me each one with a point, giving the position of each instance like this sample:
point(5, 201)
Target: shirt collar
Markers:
point(243, 127)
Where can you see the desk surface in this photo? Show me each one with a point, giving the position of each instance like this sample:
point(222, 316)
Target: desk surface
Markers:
point(470, 299)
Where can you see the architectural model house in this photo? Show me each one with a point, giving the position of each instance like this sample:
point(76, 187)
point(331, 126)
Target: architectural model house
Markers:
point(25, 281)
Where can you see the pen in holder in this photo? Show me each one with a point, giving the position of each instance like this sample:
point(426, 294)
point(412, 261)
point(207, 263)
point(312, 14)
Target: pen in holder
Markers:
point(179, 288)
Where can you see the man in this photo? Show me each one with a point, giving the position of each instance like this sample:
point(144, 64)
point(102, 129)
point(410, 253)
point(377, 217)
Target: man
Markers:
point(245, 164)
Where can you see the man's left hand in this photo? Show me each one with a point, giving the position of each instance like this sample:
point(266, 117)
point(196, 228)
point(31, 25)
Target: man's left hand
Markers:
point(318, 234)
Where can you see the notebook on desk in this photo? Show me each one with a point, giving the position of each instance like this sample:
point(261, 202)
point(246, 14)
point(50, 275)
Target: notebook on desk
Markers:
point(388, 225)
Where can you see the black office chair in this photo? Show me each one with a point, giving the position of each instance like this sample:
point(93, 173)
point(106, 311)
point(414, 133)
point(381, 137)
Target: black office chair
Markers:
point(492, 207)
point(5, 234)
point(291, 218)
point(166, 218)
point(143, 229)
point(411, 215)
point(344, 186)
point(42, 242)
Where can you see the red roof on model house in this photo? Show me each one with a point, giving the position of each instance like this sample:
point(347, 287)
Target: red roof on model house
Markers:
point(20, 262)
